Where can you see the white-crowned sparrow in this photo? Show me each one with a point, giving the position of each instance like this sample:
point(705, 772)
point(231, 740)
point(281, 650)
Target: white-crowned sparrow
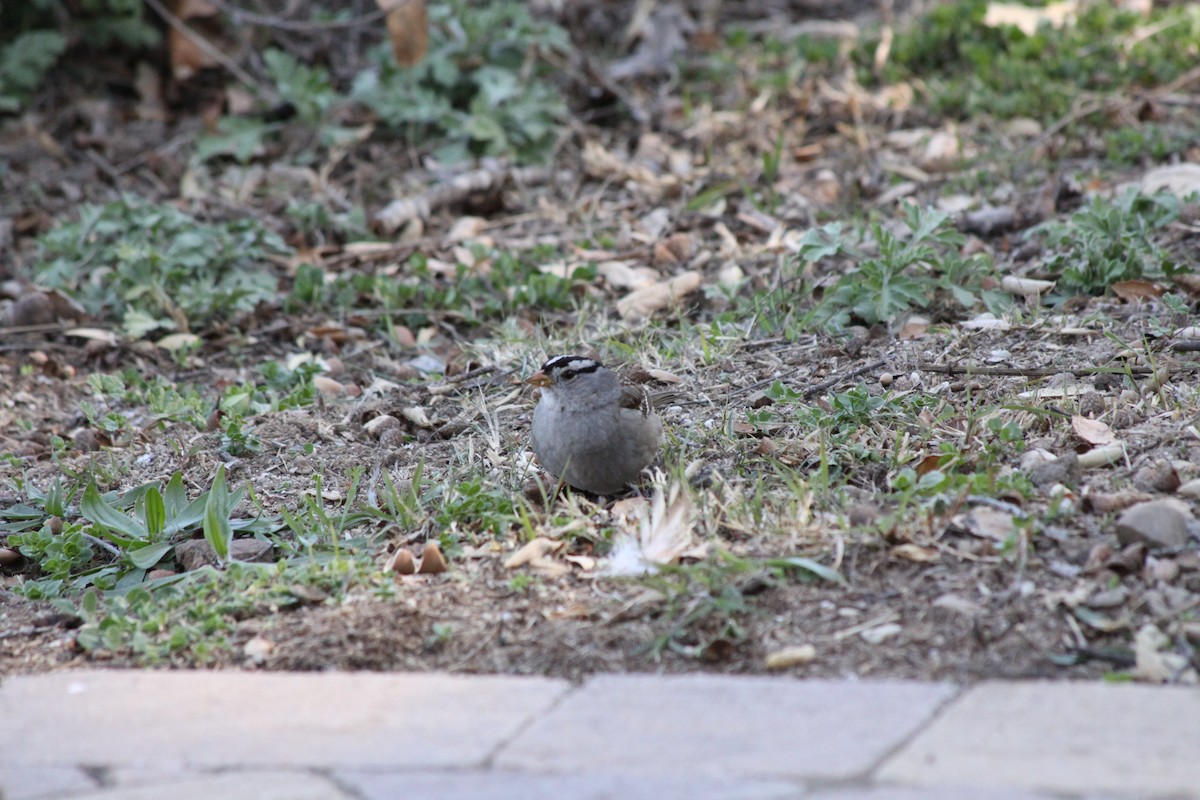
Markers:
point(589, 429)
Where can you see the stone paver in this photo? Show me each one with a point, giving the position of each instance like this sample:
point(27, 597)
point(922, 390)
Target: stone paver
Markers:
point(19, 782)
point(499, 785)
point(359, 736)
point(898, 793)
point(229, 786)
point(214, 719)
point(1075, 738)
point(716, 725)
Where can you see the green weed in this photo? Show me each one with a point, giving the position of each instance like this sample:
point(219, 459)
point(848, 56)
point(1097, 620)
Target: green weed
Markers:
point(1108, 241)
point(156, 268)
point(482, 89)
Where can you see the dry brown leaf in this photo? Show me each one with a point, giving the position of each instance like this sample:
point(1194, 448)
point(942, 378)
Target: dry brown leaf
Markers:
point(465, 228)
point(1092, 431)
point(202, 22)
point(417, 416)
point(1025, 286)
point(643, 303)
point(1138, 289)
point(585, 563)
point(928, 464)
point(177, 341)
point(533, 551)
point(1180, 179)
point(408, 27)
point(987, 523)
point(941, 153)
point(914, 328)
point(621, 275)
point(1026, 18)
point(916, 553)
point(94, 334)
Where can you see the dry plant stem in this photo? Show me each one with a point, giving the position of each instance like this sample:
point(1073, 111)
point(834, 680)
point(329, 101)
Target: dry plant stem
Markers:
point(585, 70)
point(823, 385)
point(212, 52)
point(458, 188)
point(1036, 372)
point(242, 17)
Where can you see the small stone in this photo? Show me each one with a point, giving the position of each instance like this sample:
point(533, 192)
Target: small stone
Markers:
point(1129, 560)
point(257, 649)
point(8, 557)
point(863, 513)
point(379, 425)
point(1109, 598)
point(156, 574)
point(32, 309)
point(196, 553)
point(1162, 570)
point(85, 440)
point(1190, 488)
point(1065, 470)
point(328, 387)
point(392, 438)
point(1158, 523)
point(1091, 404)
point(1157, 477)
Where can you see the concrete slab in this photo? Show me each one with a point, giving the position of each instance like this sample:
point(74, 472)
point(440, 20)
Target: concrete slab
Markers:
point(18, 782)
point(229, 786)
point(169, 720)
point(1073, 738)
point(723, 725)
point(499, 785)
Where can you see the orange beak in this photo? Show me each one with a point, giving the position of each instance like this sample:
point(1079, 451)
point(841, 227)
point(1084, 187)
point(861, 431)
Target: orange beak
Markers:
point(538, 378)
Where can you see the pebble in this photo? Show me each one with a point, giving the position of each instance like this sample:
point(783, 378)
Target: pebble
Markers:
point(1158, 523)
point(1157, 477)
point(1065, 469)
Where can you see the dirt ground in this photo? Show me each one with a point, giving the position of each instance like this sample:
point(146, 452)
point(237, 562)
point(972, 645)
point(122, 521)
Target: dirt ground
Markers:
point(934, 598)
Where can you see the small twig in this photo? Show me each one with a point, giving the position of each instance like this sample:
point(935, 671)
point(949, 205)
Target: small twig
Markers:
point(48, 327)
point(241, 16)
point(1037, 372)
point(102, 544)
point(209, 50)
point(823, 385)
point(28, 630)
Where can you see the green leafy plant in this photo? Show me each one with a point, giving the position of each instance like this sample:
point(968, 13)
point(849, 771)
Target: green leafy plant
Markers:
point(972, 68)
point(190, 617)
point(905, 275)
point(705, 603)
point(120, 537)
point(1108, 241)
point(23, 63)
point(482, 89)
point(157, 268)
point(34, 34)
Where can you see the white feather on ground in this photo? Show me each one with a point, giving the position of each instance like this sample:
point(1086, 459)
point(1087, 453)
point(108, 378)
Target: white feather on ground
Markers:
point(653, 533)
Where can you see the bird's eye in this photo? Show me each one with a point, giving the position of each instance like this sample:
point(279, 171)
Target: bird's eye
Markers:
point(568, 374)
